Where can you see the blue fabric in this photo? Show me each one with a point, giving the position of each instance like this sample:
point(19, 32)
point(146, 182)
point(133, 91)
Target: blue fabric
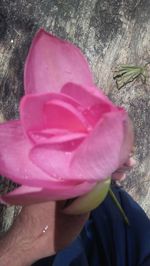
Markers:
point(107, 241)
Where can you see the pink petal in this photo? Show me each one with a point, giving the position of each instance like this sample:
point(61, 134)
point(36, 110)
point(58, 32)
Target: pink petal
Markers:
point(24, 195)
point(14, 157)
point(52, 62)
point(17, 166)
point(56, 136)
point(28, 195)
point(86, 96)
point(95, 103)
point(33, 106)
point(59, 114)
point(99, 155)
point(53, 160)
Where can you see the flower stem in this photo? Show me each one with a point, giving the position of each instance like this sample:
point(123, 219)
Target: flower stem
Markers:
point(116, 202)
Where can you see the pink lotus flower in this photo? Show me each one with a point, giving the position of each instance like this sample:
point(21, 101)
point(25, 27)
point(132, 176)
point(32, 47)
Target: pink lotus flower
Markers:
point(69, 137)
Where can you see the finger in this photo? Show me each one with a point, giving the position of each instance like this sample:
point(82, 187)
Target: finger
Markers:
point(131, 162)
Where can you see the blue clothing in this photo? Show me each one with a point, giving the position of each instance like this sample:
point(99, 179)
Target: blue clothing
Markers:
point(106, 240)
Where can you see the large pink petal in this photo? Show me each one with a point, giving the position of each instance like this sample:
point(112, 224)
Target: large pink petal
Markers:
point(52, 62)
point(14, 157)
point(53, 160)
point(28, 195)
point(99, 155)
point(54, 157)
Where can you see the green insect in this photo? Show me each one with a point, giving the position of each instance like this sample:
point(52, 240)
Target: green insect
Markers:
point(127, 73)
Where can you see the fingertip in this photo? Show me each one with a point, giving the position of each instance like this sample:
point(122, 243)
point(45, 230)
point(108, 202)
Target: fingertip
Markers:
point(119, 176)
point(131, 162)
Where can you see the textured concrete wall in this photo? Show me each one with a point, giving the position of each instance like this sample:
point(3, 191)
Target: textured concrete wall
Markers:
point(109, 32)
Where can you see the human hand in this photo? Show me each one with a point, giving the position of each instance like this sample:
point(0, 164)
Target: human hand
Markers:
point(39, 231)
point(120, 174)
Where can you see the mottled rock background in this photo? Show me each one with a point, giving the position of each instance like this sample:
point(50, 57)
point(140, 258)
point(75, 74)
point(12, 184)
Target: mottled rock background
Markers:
point(109, 32)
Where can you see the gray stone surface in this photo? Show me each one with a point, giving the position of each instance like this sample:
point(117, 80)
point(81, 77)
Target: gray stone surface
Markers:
point(109, 32)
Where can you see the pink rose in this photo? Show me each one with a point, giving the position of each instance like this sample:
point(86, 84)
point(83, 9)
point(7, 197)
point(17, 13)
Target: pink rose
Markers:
point(70, 136)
